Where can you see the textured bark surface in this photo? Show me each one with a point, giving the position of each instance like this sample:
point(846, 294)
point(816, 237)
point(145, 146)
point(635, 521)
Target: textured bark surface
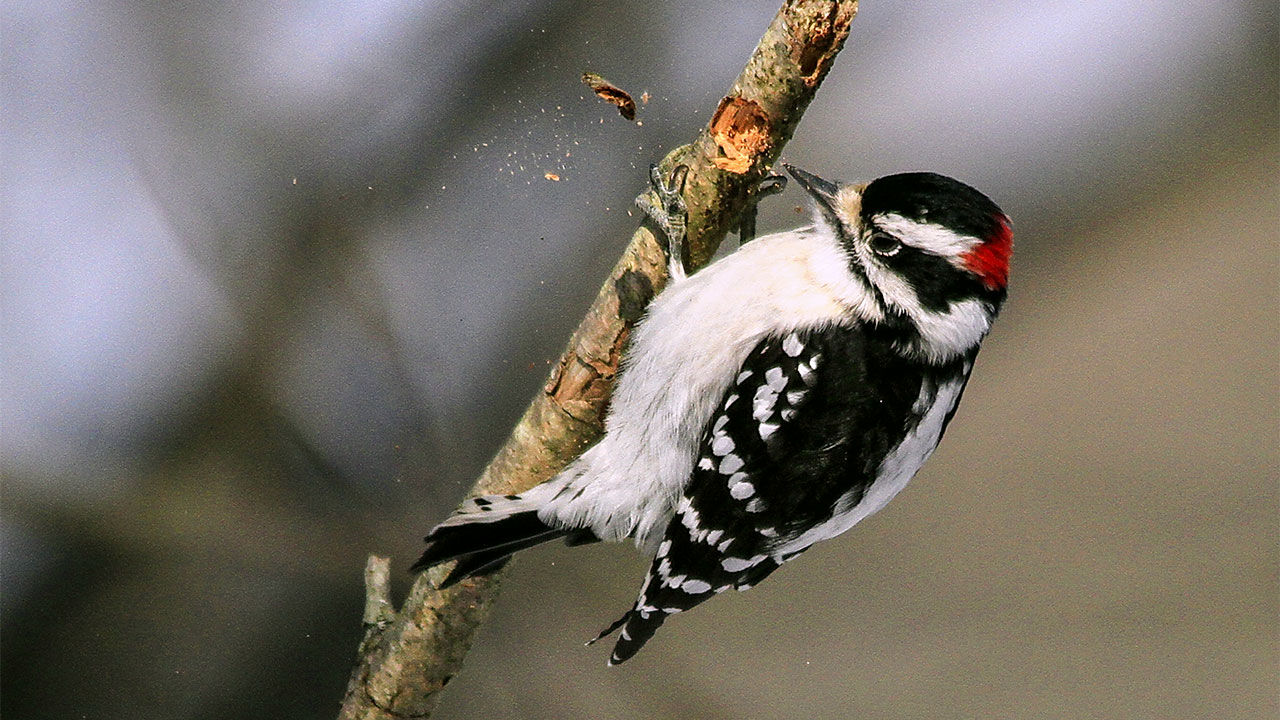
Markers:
point(408, 658)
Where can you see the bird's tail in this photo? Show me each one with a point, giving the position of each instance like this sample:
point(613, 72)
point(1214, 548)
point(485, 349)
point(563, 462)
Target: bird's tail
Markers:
point(483, 533)
point(638, 626)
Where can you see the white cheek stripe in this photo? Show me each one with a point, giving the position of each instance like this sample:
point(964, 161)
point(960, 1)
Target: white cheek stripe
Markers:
point(952, 332)
point(943, 334)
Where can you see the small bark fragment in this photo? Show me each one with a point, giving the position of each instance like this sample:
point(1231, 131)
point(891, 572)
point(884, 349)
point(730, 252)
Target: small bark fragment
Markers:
point(611, 93)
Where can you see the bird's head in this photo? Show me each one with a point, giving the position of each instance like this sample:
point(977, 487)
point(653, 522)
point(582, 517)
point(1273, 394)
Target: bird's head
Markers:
point(931, 252)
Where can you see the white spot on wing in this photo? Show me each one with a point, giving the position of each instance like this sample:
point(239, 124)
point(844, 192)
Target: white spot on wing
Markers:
point(806, 373)
point(755, 506)
point(722, 445)
point(695, 587)
point(776, 379)
point(767, 430)
point(792, 345)
point(762, 408)
point(689, 519)
point(730, 465)
point(733, 564)
point(742, 490)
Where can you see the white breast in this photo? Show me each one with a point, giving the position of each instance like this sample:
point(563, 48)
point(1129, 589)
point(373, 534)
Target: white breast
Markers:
point(682, 358)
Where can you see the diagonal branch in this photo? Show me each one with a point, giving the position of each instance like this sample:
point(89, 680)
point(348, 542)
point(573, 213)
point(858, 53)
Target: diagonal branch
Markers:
point(405, 664)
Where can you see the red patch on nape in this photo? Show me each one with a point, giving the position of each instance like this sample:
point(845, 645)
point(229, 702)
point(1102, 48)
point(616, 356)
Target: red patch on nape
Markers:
point(990, 260)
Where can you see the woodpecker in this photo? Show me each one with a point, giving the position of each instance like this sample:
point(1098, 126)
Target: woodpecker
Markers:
point(773, 399)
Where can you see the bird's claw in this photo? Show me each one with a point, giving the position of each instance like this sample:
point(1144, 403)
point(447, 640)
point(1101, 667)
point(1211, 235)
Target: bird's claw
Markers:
point(663, 203)
point(772, 184)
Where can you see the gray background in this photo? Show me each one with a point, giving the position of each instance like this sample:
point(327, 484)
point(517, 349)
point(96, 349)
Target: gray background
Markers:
point(276, 279)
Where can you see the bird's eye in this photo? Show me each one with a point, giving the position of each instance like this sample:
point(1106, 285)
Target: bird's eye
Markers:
point(884, 244)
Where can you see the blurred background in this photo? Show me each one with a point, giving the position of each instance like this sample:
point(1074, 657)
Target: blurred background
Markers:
point(277, 278)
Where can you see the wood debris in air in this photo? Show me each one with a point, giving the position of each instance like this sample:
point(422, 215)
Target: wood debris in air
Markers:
point(611, 93)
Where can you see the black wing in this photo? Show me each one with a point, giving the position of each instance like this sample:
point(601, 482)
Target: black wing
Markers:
point(802, 430)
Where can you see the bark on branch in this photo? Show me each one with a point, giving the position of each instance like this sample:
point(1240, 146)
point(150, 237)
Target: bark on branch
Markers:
point(404, 663)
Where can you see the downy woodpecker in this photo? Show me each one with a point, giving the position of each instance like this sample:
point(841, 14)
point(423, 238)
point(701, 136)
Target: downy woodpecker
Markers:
point(771, 400)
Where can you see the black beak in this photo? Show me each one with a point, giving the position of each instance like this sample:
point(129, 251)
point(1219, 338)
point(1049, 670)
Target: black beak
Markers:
point(823, 191)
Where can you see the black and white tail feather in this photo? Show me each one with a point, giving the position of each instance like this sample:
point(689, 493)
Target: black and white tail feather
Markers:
point(770, 401)
point(482, 542)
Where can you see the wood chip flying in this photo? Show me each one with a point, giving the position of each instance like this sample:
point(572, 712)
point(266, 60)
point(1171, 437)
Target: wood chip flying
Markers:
point(611, 93)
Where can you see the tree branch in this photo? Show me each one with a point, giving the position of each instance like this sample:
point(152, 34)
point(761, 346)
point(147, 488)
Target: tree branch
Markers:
point(404, 665)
